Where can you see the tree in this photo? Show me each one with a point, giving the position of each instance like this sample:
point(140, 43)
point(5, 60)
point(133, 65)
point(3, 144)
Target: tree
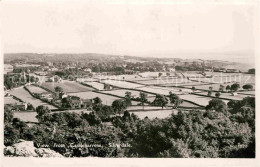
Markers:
point(175, 99)
point(41, 112)
point(128, 98)
point(209, 93)
point(217, 94)
point(160, 100)
point(248, 87)
point(193, 89)
point(210, 88)
point(234, 87)
point(217, 105)
point(143, 98)
point(160, 74)
point(97, 101)
point(118, 106)
point(58, 89)
point(221, 88)
point(228, 87)
point(251, 71)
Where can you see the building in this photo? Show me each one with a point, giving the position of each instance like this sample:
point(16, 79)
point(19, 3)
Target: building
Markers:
point(8, 68)
point(86, 103)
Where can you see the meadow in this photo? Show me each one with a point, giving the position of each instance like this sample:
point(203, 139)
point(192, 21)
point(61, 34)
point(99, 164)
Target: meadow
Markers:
point(106, 99)
point(122, 84)
point(67, 86)
point(21, 93)
point(35, 89)
point(200, 100)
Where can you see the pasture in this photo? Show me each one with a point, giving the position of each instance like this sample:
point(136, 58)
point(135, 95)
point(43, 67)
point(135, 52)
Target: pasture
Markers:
point(106, 99)
point(121, 92)
point(122, 84)
point(164, 90)
point(227, 95)
point(67, 86)
point(35, 89)
point(21, 93)
point(97, 85)
point(200, 100)
point(10, 100)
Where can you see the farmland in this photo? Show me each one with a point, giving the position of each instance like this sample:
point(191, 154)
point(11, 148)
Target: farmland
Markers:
point(121, 92)
point(26, 116)
point(10, 100)
point(21, 93)
point(67, 86)
point(122, 84)
point(165, 81)
point(35, 89)
point(227, 96)
point(201, 100)
point(97, 85)
point(106, 99)
point(164, 90)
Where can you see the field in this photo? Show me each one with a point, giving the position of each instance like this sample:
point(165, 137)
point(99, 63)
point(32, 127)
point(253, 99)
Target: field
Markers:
point(242, 78)
point(201, 100)
point(227, 95)
point(26, 97)
point(164, 90)
point(121, 92)
point(122, 84)
point(10, 100)
point(106, 99)
point(251, 93)
point(26, 116)
point(67, 86)
point(31, 116)
point(97, 85)
point(166, 81)
point(35, 89)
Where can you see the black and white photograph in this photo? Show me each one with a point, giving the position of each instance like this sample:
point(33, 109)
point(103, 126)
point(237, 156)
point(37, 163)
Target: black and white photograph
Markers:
point(123, 79)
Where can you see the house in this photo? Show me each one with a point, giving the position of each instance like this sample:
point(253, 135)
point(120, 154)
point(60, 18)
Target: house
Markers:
point(47, 95)
point(75, 101)
point(171, 69)
point(85, 103)
point(21, 106)
point(55, 79)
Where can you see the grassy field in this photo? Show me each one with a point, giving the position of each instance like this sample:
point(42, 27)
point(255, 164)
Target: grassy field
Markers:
point(106, 99)
point(10, 100)
point(227, 95)
point(121, 92)
point(25, 96)
point(165, 81)
point(122, 84)
point(201, 100)
point(26, 116)
point(252, 93)
point(164, 90)
point(96, 85)
point(35, 89)
point(67, 86)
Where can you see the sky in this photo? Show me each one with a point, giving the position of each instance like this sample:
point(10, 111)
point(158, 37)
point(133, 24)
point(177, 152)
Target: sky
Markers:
point(140, 28)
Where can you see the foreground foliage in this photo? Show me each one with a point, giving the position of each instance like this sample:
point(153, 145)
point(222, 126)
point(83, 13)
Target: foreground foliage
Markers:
point(219, 131)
